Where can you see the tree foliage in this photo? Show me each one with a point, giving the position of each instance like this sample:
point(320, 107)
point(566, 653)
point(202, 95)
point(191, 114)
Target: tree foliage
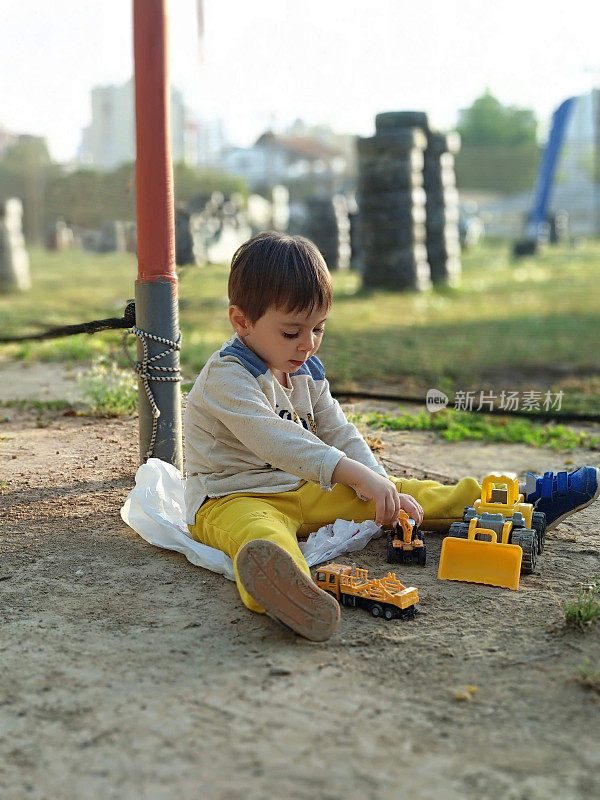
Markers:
point(88, 197)
point(191, 183)
point(488, 122)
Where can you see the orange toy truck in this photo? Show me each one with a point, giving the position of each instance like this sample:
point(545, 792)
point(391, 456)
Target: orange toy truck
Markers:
point(383, 597)
point(406, 544)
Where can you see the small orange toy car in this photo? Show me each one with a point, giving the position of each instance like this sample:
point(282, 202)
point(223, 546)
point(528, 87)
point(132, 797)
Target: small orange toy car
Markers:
point(406, 543)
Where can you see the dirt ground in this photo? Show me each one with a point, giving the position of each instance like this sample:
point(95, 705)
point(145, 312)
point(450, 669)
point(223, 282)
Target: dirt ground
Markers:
point(128, 673)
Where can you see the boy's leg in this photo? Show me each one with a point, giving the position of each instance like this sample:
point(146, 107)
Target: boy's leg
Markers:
point(441, 504)
point(228, 523)
point(319, 507)
point(271, 573)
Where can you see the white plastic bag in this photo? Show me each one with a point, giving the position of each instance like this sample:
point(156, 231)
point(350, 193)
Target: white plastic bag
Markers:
point(337, 537)
point(155, 508)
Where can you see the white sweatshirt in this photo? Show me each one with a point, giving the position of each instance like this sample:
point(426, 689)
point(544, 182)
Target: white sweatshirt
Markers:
point(245, 432)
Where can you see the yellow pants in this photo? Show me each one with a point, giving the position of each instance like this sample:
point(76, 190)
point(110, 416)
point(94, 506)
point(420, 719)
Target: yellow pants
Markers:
point(229, 522)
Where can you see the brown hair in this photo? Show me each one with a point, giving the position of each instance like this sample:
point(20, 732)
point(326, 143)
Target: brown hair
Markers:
point(279, 270)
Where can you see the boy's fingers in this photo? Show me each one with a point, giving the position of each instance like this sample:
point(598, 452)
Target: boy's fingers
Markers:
point(379, 511)
point(389, 509)
point(386, 510)
point(418, 513)
point(415, 509)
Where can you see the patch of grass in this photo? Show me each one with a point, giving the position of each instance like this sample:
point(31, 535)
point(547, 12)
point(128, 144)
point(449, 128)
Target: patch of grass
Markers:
point(110, 390)
point(457, 426)
point(82, 347)
point(584, 611)
point(507, 322)
point(588, 676)
point(37, 405)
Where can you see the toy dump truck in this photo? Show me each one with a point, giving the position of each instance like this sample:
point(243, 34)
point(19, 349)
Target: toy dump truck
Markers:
point(406, 544)
point(383, 597)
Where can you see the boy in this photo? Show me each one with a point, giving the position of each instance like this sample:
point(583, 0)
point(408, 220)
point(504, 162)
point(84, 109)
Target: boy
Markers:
point(270, 454)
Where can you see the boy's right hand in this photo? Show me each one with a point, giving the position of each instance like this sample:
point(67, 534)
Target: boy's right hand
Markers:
point(379, 489)
point(386, 497)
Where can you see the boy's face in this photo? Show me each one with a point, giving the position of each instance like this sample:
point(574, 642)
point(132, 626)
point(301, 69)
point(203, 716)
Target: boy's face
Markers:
point(284, 341)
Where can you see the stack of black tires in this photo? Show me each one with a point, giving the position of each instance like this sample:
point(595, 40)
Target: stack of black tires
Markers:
point(443, 242)
point(391, 202)
point(408, 203)
point(356, 248)
point(320, 224)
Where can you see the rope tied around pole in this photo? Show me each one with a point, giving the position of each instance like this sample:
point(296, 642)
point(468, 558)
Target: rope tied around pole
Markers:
point(146, 372)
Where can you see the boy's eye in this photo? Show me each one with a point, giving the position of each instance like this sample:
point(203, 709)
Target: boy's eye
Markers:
point(293, 335)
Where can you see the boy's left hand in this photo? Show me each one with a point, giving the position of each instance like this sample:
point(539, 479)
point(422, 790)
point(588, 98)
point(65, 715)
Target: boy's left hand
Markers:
point(412, 508)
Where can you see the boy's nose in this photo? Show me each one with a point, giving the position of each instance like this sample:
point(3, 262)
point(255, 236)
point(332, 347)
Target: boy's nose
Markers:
point(307, 345)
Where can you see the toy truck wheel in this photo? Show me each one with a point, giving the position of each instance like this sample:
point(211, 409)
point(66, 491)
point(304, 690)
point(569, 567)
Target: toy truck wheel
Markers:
point(538, 523)
point(459, 530)
point(393, 553)
point(376, 610)
point(389, 613)
point(422, 555)
point(527, 540)
point(408, 613)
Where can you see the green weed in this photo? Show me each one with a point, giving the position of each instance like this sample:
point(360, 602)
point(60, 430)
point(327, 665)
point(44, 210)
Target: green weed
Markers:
point(584, 611)
point(110, 390)
point(588, 676)
point(458, 426)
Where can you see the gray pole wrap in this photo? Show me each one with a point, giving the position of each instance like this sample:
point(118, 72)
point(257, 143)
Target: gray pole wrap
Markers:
point(157, 313)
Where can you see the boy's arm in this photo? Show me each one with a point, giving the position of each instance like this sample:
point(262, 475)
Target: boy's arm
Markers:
point(334, 429)
point(232, 396)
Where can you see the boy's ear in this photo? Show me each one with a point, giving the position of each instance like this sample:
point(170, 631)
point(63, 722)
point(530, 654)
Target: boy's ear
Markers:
point(238, 320)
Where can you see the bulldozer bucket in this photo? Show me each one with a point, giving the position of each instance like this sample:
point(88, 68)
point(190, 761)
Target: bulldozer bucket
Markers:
point(480, 561)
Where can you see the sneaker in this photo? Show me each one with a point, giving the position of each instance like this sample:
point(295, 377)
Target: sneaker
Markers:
point(561, 494)
point(275, 581)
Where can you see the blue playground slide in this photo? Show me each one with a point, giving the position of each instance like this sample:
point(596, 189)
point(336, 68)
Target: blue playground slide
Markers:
point(537, 215)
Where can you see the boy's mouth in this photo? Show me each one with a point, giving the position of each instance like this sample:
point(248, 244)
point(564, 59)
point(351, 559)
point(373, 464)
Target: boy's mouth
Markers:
point(297, 363)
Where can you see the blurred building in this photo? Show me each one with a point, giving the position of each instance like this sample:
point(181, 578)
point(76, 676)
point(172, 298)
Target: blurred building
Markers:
point(211, 142)
point(7, 139)
point(109, 139)
point(275, 159)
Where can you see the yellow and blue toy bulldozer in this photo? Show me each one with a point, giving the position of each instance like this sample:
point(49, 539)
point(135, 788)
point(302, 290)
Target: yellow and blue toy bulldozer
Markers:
point(500, 537)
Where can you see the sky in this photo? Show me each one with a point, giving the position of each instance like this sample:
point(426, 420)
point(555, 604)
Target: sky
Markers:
point(267, 62)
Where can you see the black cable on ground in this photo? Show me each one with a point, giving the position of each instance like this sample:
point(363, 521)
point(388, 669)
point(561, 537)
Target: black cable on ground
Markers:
point(112, 323)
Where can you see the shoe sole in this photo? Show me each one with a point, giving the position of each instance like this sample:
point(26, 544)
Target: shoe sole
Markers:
point(275, 581)
point(579, 508)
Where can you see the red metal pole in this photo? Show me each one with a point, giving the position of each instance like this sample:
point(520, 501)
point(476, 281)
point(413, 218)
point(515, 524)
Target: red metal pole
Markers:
point(153, 170)
point(156, 285)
